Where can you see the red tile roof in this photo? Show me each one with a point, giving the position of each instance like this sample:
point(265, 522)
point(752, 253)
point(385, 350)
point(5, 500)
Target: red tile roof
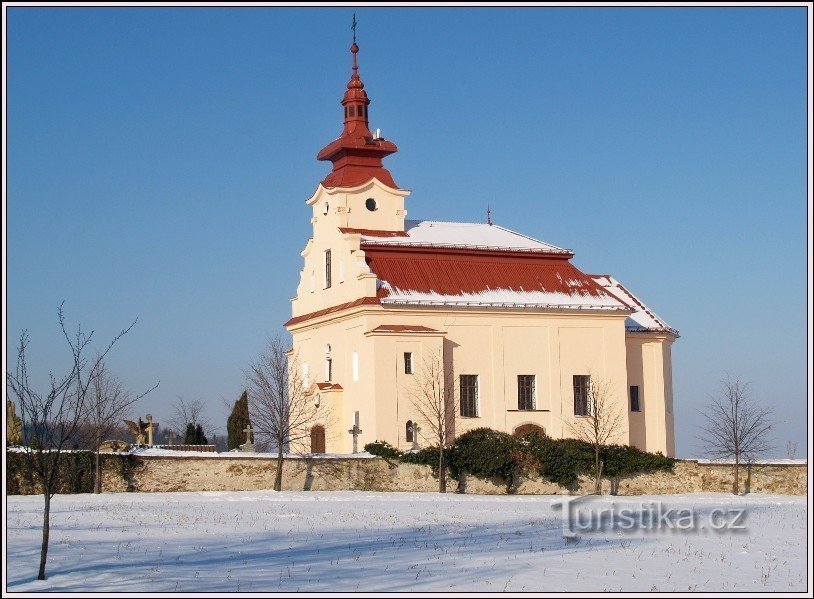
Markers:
point(374, 232)
point(329, 386)
point(451, 272)
point(403, 328)
point(360, 302)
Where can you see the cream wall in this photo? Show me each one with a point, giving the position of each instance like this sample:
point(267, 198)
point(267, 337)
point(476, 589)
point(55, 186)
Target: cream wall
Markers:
point(650, 367)
point(351, 278)
point(497, 346)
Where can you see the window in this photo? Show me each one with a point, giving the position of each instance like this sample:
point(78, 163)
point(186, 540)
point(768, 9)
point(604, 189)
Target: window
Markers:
point(582, 389)
point(328, 364)
point(634, 399)
point(326, 208)
point(327, 268)
point(409, 431)
point(355, 366)
point(408, 363)
point(370, 204)
point(525, 392)
point(469, 395)
point(351, 111)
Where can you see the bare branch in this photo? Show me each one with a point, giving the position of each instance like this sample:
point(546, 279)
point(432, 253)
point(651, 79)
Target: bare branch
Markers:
point(736, 428)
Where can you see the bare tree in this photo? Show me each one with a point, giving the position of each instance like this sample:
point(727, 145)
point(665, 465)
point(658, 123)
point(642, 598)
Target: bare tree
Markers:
point(282, 409)
point(736, 427)
point(107, 403)
point(434, 400)
point(601, 426)
point(52, 417)
point(189, 411)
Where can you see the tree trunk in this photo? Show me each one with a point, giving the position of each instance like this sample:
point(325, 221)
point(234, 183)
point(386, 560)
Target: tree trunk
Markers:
point(597, 472)
point(46, 518)
point(278, 477)
point(442, 472)
point(735, 485)
point(97, 477)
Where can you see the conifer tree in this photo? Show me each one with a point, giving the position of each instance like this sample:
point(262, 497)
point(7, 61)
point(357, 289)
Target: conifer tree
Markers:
point(237, 422)
point(200, 437)
point(189, 435)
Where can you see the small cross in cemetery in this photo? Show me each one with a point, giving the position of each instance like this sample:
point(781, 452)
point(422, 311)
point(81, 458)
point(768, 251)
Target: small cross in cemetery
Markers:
point(415, 429)
point(248, 445)
point(355, 431)
point(151, 426)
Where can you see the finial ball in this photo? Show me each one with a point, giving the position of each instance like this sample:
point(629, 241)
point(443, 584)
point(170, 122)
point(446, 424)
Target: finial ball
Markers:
point(354, 48)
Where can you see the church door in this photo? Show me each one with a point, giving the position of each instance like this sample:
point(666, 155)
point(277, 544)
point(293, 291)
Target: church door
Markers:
point(317, 439)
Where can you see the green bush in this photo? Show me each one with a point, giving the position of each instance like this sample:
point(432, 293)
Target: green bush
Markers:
point(383, 449)
point(427, 456)
point(76, 472)
point(484, 453)
point(488, 453)
point(624, 460)
point(559, 460)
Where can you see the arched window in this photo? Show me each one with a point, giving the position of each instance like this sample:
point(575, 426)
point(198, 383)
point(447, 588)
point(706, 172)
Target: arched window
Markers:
point(528, 428)
point(409, 431)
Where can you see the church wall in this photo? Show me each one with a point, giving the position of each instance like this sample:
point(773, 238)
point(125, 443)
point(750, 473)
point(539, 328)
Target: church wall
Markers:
point(635, 376)
point(499, 346)
point(345, 337)
point(649, 364)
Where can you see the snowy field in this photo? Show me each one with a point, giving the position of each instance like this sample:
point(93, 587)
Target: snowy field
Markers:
point(348, 541)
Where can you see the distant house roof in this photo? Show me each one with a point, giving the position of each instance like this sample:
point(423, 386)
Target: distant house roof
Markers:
point(428, 233)
point(643, 319)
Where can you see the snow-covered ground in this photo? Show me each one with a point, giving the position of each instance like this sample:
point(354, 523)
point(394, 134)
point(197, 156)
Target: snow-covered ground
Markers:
point(346, 541)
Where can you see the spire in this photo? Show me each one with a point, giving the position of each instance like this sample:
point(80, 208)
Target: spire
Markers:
point(357, 153)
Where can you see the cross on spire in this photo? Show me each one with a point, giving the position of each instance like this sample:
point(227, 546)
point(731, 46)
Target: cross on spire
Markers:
point(354, 28)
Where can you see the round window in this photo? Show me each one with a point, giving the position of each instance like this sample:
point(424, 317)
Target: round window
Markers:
point(370, 204)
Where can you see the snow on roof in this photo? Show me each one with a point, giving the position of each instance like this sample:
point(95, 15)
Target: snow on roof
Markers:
point(403, 328)
point(421, 276)
point(643, 319)
point(463, 235)
point(508, 298)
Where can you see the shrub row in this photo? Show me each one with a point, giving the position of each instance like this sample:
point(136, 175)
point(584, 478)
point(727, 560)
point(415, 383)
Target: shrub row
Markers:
point(76, 471)
point(487, 453)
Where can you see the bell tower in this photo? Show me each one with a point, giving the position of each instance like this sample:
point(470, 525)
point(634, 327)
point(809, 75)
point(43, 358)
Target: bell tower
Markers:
point(357, 153)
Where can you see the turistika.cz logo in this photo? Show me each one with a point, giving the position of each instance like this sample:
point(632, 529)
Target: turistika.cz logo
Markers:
point(592, 514)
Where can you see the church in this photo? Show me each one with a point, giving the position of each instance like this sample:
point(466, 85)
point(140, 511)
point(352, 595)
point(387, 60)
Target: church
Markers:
point(519, 329)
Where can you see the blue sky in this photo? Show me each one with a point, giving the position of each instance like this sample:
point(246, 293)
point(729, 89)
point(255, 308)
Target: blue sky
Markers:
point(159, 159)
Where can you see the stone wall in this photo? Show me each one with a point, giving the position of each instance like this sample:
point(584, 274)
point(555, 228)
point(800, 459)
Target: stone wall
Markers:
point(228, 473)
